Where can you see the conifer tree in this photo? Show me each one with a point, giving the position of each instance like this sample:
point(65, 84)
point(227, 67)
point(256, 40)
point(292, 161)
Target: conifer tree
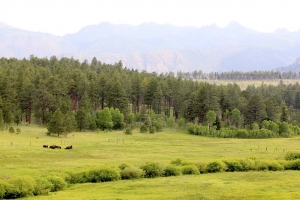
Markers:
point(56, 124)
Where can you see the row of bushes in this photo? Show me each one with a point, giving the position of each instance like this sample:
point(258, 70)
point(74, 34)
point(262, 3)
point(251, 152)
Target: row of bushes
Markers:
point(23, 186)
point(27, 186)
point(232, 132)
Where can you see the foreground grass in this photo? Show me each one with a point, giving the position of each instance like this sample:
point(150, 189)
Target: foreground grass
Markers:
point(22, 154)
point(237, 185)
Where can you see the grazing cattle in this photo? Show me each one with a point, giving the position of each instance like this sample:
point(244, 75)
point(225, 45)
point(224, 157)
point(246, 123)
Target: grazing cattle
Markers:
point(58, 147)
point(53, 146)
point(45, 146)
point(69, 147)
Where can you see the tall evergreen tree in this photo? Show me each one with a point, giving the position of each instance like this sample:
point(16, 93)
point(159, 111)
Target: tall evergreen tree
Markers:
point(117, 98)
point(255, 110)
point(56, 124)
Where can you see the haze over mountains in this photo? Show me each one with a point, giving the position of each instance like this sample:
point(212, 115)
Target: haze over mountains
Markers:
point(161, 48)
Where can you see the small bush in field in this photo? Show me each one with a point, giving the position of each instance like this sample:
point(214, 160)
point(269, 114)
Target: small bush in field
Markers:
point(152, 170)
point(20, 187)
point(131, 173)
point(179, 162)
point(201, 167)
point(215, 166)
point(152, 129)
point(9, 191)
point(292, 165)
point(58, 183)
point(190, 169)
point(248, 164)
point(42, 186)
point(18, 130)
point(3, 186)
point(273, 165)
point(128, 130)
point(144, 128)
point(79, 177)
point(11, 130)
point(233, 165)
point(103, 175)
point(123, 166)
point(292, 155)
point(172, 170)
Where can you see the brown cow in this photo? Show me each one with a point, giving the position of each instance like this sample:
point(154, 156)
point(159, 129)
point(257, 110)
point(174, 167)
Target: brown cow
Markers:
point(52, 146)
point(69, 147)
point(45, 146)
point(58, 147)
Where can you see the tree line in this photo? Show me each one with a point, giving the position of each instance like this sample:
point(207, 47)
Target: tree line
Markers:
point(239, 75)
point(70, 94)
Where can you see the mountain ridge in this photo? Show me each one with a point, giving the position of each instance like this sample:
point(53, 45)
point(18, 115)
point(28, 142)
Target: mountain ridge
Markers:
point(161, 47)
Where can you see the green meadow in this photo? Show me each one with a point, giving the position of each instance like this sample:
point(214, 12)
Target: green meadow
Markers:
point(23, 155)
point(245, 83)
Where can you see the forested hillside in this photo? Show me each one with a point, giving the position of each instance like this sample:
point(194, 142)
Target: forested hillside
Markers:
point(32, 90)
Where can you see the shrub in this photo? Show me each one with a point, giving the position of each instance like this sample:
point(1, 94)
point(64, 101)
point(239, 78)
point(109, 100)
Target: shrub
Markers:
point(201, 167)
point(3, 187)
point(42, 186)
point(58, 183)
point(20, 187)
point(152, 169)
point(103, 175)
point(18, 130)
point(292, 165)
point(215, 166)
point(248, 164)
point(273, 165)
point(190, 169)
point(10, 191)
point(144, 128)
point(179, 162)
point(171, 170)
point(128, 130)
point(131, 173)
point(79, 177)
point(11, 129)
point(152, 129)
point(292, 155)
point(233, 165)
point(123, 166)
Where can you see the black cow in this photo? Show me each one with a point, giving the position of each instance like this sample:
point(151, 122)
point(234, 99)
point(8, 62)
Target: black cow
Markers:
point(45, 146)
point(69, 147)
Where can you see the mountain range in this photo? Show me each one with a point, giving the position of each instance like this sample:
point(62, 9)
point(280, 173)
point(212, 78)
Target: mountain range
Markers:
point(161, 48)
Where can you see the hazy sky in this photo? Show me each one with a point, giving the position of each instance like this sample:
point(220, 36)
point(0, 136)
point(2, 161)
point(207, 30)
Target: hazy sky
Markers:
point(68, 16)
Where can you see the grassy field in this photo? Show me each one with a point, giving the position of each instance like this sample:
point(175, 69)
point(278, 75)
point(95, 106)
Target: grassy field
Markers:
point(23, 154)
